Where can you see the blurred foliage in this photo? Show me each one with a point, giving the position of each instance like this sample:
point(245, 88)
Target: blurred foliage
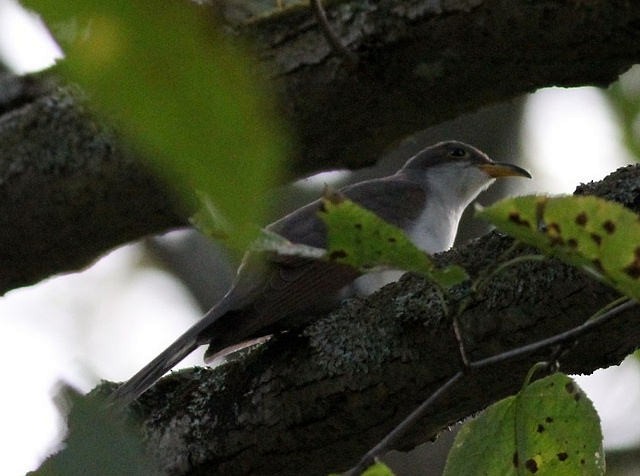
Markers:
point(624, 97)
point(549, 428)
point(99, 441)
point(192, 101)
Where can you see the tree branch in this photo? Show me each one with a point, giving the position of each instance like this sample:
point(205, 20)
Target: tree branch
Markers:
point(422, 62)
point(314, 402)
point(70, 189)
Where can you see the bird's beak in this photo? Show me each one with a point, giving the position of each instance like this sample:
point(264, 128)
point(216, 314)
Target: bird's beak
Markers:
point(497, 169)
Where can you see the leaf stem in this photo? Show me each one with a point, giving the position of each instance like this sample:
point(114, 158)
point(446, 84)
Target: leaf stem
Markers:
point(482, 282)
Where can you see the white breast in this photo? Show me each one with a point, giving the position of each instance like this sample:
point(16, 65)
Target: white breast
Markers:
point(450, 191)
point(435, 229)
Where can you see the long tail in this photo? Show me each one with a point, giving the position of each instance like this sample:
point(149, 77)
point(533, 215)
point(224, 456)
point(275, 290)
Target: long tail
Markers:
point(165, 361)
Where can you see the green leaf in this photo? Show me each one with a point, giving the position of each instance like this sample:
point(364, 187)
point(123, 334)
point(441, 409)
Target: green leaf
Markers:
point(359, 238)
point(549, 428)
point(600, 236)
point(191, 101)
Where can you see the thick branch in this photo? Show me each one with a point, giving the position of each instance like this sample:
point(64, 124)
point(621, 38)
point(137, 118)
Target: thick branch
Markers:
point(424, 61)
point(70, 190)
point(315, 402)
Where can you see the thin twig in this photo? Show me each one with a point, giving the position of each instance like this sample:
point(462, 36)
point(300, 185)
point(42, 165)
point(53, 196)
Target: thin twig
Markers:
point(330, 35)
point(482, 282)
point(389, 440)
point(608, 307)
point(553, 340)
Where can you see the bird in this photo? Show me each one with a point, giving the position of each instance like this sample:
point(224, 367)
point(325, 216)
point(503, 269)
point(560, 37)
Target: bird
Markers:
point(425, 198)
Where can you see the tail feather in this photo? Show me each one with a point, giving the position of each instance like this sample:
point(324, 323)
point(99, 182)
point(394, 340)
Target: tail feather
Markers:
point(150, 373)
point(165, 361)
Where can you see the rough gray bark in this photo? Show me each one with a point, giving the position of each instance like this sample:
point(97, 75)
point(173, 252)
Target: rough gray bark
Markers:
point(314, 402)
point(424, 61)
point(70, 190)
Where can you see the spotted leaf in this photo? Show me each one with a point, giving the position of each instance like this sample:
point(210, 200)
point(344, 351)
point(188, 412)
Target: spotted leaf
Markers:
point(359, 238)
point(549, 428)
point(595, 234)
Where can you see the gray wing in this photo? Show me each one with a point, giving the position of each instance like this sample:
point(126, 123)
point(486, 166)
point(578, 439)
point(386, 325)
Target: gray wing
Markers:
point(270, 288)
point(396, 200)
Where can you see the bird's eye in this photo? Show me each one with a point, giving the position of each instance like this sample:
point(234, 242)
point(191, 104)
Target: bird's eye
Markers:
point(457, 152)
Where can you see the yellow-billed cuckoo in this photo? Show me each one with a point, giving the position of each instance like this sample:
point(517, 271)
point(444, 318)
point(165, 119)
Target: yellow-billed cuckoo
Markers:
point(425, 198)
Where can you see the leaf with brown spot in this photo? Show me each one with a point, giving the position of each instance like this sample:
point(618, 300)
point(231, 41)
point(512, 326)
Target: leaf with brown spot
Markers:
point(359, 238)
point(587, 232)
point(509, 438)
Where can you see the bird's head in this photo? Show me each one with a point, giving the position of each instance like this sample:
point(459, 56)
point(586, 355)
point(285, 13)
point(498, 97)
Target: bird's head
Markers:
point(458, 170)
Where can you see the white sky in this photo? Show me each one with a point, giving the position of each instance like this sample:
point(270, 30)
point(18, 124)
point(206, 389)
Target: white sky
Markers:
point(96, 324)
point(21, 31)
point(573, 136)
